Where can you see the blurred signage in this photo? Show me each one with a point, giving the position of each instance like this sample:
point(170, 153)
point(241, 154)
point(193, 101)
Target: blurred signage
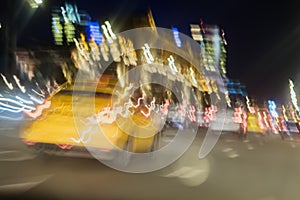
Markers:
point(57, 29)
point(176, 37)
point(94, 32)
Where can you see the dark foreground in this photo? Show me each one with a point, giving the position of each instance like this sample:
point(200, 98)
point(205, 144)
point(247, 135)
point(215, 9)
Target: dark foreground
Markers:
point(255, 168)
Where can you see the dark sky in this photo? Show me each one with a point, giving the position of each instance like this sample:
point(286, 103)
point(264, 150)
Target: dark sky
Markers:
point(263, 36)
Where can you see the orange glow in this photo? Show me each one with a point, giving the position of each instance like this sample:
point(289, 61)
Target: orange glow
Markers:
point(39, 110)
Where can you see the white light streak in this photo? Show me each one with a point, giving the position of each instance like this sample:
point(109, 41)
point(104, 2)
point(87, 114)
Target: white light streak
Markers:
point(81, 139)
point(24, 101)
point(22, 88)
point(193, 76)
point(38, 2)
point(9, 85)
point(41, 95)
point(105, 32)
point(14, 102)
point(109, 30)
point(172, 65)
point(147, 53)
point(63, 12)
point(293, 95)
point(39, 101)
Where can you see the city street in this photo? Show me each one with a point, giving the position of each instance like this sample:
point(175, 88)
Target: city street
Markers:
point(257, 167)
point(142, 94)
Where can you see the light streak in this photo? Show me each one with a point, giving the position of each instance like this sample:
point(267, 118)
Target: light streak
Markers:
point(15, 102)
point(63, 12)
point(38, 1)
point(22, 88)
point(14, 118)
point(196, 32)
point(39, 101)
point(272, 109)
point(138, 103)
point(17, 110)
point(81, 139)
point(147, 53)
point(293, 95)
point(72, 13)
point(192, 76)
point(228, 101)
point(36, 83)
point(252, 110)
point(265, 120)
point(176, 37)
point(80, 49)
point(283, 125)
point(165, 107)
point(39, 110)
point(125, 94)
point(244, 123)
point(182, 109)
point(24, 101)
point(9, 85)
point(105, 32)
point(104, 52)
point(191, 114)
point(237, 115)
point(248, 103)
point(149, 108)
point(109, 30)
point(65, 146)
point(260, 121)
point(284, 113)
point(106, 116)
point(42, 95)
point(223, 37)
point(172, 65)
point(271, 122)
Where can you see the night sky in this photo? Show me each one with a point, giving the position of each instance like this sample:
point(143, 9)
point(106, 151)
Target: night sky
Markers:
point(263, 36)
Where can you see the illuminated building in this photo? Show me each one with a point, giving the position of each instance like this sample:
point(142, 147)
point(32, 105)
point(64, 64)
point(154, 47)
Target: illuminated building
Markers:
point(236, 92)
point(68, 23)
point(293, 96)
point(213, 57)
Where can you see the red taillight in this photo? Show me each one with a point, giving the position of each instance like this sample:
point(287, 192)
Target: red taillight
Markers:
point(65, 146)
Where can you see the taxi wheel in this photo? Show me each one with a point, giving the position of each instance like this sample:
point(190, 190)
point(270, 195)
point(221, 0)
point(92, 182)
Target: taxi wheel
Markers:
point(39, 149)
point(156, 141)
point(124, 156)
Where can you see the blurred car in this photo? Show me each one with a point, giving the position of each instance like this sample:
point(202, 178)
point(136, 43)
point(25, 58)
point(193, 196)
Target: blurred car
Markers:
point(226, 122)
point(292, 132)
point(175, 119)
point(57, 130)
point(253, 124)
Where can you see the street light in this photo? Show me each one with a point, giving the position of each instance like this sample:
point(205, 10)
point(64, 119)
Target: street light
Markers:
point(35, 3)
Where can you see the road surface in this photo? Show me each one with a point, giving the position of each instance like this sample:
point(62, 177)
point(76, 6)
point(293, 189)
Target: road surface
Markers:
point(253, 168)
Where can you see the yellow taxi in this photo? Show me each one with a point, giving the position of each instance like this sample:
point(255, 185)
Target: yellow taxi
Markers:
point(71, 124)
point(253, 124)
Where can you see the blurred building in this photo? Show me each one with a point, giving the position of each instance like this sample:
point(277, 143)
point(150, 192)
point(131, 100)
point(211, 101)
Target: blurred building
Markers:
point(213, 55)
point(67, 23)
point(237, 93)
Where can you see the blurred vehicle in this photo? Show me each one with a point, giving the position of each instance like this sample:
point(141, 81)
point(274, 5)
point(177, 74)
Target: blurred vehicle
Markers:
point(292, 132)
point(226, 122)
point(56, 132)
point(175, 118)
point(253, 124)
point(292, 127)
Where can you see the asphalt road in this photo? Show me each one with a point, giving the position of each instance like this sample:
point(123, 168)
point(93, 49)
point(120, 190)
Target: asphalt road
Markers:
point(253, 168)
